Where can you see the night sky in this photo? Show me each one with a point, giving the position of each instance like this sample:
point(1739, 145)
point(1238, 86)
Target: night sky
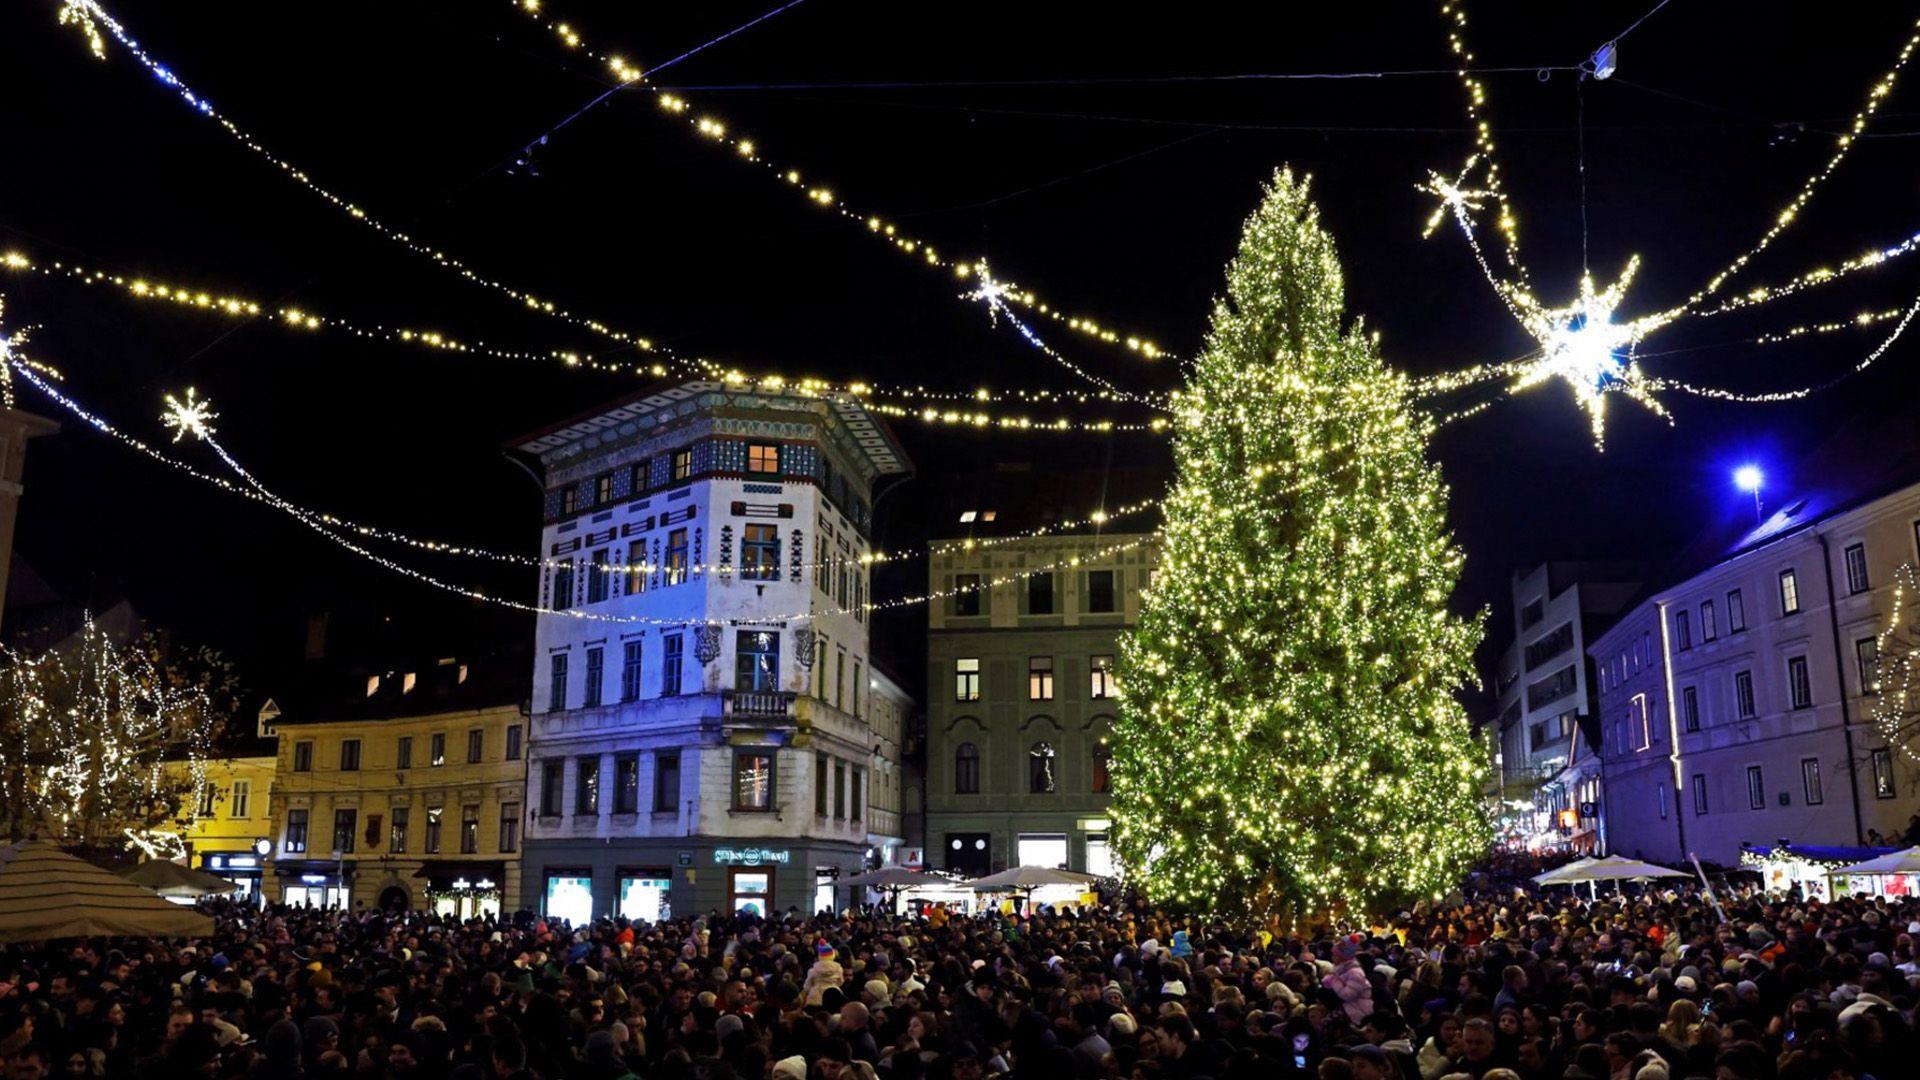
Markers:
point(1124, 199)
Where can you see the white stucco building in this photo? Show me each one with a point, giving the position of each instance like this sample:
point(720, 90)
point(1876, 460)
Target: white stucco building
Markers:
point(701, 699)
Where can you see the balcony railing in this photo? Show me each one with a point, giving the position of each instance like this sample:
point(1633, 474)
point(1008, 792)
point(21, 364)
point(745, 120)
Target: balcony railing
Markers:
point(757, 704)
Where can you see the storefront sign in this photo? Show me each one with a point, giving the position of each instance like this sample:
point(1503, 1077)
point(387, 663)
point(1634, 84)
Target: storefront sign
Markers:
point(750, 856)
point(684, 858)
point(222, 861)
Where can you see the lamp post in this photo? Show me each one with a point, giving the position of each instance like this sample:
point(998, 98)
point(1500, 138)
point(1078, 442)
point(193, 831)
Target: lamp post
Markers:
point(1749, 478)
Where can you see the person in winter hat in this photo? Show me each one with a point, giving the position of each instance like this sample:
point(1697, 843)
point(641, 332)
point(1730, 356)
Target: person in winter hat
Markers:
point(826, 973)
point(1348, 982)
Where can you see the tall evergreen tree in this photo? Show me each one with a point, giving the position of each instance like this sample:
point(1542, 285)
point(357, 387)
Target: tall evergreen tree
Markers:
point(1289, 742)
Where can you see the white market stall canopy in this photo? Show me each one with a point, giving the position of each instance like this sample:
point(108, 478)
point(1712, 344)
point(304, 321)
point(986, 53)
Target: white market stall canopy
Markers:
point(1613, 868)
point(899, 877)
point(170, 879)
point(46, 894)
point(1558, 875)
point(1906, 861)
point(1029, 877)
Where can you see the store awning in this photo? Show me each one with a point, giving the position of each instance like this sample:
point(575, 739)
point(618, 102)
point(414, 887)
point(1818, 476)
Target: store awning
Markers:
point(444, 875)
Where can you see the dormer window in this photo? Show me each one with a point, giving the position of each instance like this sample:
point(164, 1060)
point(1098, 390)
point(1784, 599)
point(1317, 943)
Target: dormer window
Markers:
point(373, 685)
point(406, 683)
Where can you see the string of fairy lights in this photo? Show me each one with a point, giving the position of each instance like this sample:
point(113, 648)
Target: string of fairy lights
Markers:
point(1581, 343)
point(1896, 674)
point(909, 403)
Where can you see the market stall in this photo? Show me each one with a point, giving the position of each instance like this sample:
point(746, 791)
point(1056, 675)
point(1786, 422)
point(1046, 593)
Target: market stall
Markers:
point(1807, 868)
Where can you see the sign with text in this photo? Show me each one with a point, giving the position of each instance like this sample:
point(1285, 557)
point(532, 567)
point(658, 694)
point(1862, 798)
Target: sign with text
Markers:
point(750, 856)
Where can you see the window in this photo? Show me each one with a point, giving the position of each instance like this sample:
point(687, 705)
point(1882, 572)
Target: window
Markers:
point(586, 786)
point(1810, 781)
point(603, 489)
point(763, 457)
point(1743, 694)
point(839, 677)
point(626, 784)
point(676, 556)
point(822, 565)
point(437, 748)
point(296, 841)
point(640, 476)
point(753, 780)
point(1789, 592)
point(630, 656)
point(756, 657)
point(1100, 678)
point(476, 746)
point(682, 462)
point(509, 827)
point(839, 790)
point(239, 801)
point(670, 647)
point(1660, 789)
point(1102, 761)
point(600, 577)
point(343, 823)
point(1532, 613)
point(557, 682)
point(1736, 612)
point(760, 553)
point(966, 679)
point(966, 769)
point(553, 774)
point(1856, 556)
point(1646, 650)
point(403, 752)
point(1866, 658)
point(857, 682)
point(207, 792)
point(596, 677)
point(469, 830)
point(433, 830)
point(1883, 785)
point(1682, 631)
point(1639, 725)
point(397, 831)
point(1690, 708)
point(1709, 625)
point(1040, 780)
point(1699, 794)
point(1100, 590)
point(1756, 789)
point(563, 586)
point(303, 756)
point(1799, 687)
point(857, 800)
point(822, 767)
point(349, 755)
point(1040, 593)
point(666, 783)
point(1039, 678)
point(569, 499)
point(513, 742)
point(636, 567)
point(966, 594)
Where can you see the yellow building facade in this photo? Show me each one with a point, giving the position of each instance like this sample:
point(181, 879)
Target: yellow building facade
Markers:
point(229, 814)
point(403, 811)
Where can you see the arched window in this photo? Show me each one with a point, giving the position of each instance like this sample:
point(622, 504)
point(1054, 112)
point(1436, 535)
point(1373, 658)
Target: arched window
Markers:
point(1040, 778)
point(966, 769)
point(1102, 754)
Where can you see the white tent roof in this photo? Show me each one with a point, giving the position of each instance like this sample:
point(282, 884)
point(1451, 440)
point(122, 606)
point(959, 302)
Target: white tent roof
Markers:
point(1898, 862)
point(46, 893)
point(1614, 868)
point(898, 877)
point(1029, 877)
point(172, 879)
point(1558, 875)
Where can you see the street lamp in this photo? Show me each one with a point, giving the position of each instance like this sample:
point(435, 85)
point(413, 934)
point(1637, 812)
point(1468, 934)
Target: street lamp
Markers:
point(1749, 478)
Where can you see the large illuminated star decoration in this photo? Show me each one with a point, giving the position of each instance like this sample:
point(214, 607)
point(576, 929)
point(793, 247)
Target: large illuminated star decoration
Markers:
point(189, 415)
point(1582, 345)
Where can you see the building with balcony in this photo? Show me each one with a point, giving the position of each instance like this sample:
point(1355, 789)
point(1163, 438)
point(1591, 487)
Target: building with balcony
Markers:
point(702, 690)
point(1738, 701)
point(403, 787)
point(1021, 693)
point(1546, 736)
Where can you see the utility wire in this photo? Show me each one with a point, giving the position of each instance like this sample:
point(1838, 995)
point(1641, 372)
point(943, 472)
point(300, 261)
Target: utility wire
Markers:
point(1124, 80)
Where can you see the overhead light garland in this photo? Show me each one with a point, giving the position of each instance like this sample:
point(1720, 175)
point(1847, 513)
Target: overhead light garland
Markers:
point(711, 129)
point(1582, 344)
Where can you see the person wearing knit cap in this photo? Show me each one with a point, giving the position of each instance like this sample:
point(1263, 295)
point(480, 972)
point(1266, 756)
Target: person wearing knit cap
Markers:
point(790, 1068)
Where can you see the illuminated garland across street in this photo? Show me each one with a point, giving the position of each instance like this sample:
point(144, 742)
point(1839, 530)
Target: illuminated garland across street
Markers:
point(1581, 343)
point(305, 319)
point(710, 128)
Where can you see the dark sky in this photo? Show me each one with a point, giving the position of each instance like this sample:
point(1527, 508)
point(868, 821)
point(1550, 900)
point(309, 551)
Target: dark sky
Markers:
point(1125, 199)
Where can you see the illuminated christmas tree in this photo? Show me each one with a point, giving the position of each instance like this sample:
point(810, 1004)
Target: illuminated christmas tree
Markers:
point(1289, 743)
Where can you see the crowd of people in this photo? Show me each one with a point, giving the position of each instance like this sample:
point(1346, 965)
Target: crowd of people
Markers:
point(1499, 983)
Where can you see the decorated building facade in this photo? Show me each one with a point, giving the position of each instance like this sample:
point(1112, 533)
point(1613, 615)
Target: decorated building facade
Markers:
point(702, 690)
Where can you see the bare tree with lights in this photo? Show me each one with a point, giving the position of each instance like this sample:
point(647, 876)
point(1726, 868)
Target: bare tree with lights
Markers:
point(1290, 745)
point(103, 743)
point(1895, 705)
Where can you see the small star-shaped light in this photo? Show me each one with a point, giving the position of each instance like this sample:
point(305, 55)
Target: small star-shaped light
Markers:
point(1583, 345)
point(189, 416)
